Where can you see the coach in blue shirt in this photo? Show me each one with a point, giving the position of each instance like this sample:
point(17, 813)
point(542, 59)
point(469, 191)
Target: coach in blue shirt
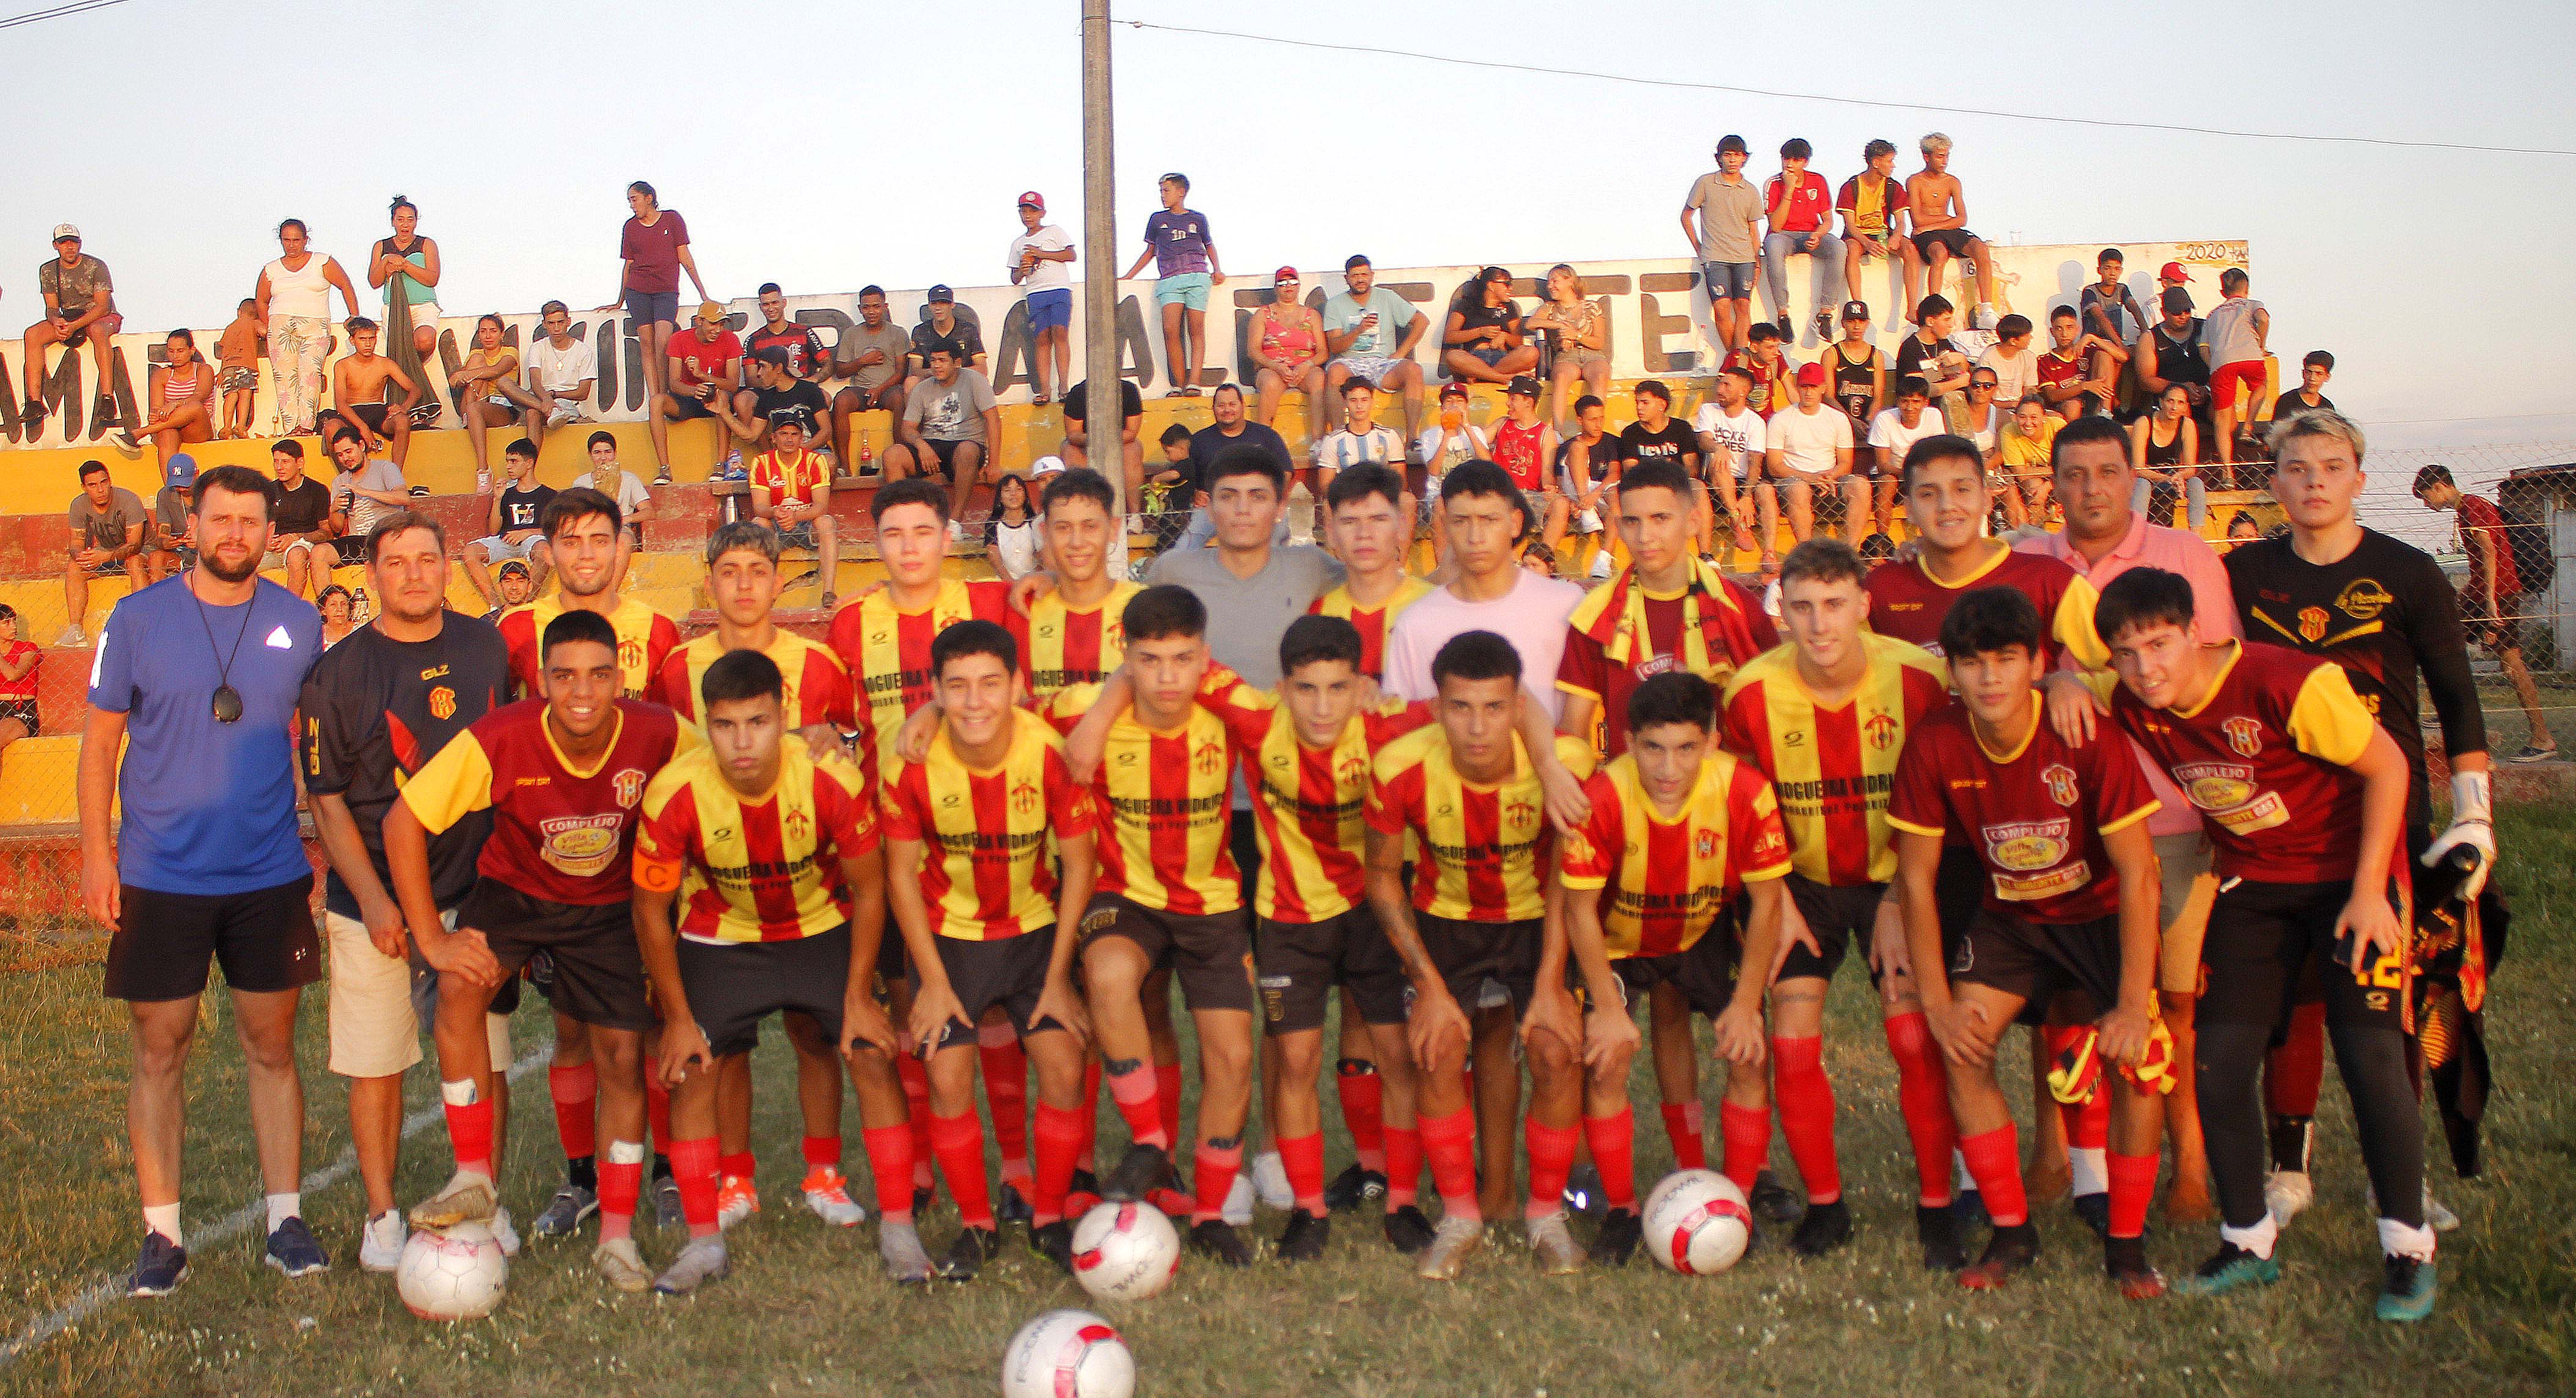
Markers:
point(197, 678)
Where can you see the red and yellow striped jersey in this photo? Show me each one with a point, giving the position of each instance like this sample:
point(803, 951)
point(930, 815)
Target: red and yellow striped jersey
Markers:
point(1075, 645)
point(987, 871)
point(1166, 802)
point(1622, 635)
point(1907, 602)
point(1664, 883)
point(818, 688)
point(1308, 803)
point(766, 870)
point(1833, 768)
point(1373, 622)
point(645, 638)
point(1481, 846)
point(887, 652)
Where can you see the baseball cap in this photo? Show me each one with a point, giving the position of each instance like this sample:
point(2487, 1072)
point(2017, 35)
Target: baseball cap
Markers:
point(514, 565)
point(1452, 389)
point(712, 313)
point(1046, 466)
point(1855, 310)
point(183, 470)
point(2175, 301)
point(1031, 199)
point(1284, 274)
point(65, 230)
point(2173, 272)
point(941, 293)
point(1523, 385)
point(1810, 374)
point(773, 355)
point(1732, 143)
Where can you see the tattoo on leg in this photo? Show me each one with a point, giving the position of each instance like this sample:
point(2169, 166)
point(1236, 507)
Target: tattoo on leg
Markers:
point(1223, 1142)
point(1121, 1067)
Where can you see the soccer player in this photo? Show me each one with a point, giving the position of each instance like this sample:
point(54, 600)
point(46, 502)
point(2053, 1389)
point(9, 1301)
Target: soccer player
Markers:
point(1074, 632)
point(2058, 831)
point(2305, 798)
point(991, 926)
point(1484, 904)
point(769, 856)
point(1825, 718)
point(1369, 516)
point(563, 776)
point(1678, 830)
point(1947, 500)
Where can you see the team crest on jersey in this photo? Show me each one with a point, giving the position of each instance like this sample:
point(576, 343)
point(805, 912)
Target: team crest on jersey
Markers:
point(2061, 783)
point(1352, 771)
point(2245, 735)
point(1207, 758)
point(1880, 729)
point(797, 824)
point(1577, 849)
point(1519, 816)
point(629, 786)
point(2363, 599)
point(630, 654)
point(442, 703)
point(1705, 845)
point(1024, 797)
point(2312, 624)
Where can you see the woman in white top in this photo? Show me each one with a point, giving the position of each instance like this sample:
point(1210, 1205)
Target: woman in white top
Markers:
point(294, 313)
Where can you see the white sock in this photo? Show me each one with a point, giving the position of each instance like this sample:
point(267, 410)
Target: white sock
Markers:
point(282, 1207)
point(1961, 1182)
point(626, 1152)
point(164, 1220)
point(460, 1093)
point(2090, 1165)
point(2398, 1240)
point(2257, 1240)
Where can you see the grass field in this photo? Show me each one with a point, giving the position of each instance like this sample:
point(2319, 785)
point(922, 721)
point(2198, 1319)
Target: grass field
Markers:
point(807, 1312)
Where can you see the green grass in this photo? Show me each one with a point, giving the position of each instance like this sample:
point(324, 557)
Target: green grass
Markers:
point(807, 1309)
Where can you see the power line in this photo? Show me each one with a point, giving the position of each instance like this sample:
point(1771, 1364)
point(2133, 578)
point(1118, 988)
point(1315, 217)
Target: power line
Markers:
point(1845, 101)
point(58, 12)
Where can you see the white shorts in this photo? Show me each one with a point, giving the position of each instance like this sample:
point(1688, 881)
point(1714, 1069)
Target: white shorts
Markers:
point(500, 550)
point(422, 312)
point(378, 1005)
point(565, 410)
point(1370, 369)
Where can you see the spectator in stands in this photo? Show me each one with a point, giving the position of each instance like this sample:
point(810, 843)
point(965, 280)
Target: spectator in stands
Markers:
point(19, 657)
point(174, 524)
point(948, 427)
point(1370, 333)
point(1446, 443)
point(80, 305)
point(1764, 359)
point(339, 609)
point(1177, 242)
point(1726, 240)
point(517, 588)
point(1809, 453)
point(1930, 352)
point(110, 526)
point(406, 266)
point(367, 491)
point(1735, 443)
point(299, 536)
point(806, 357)
point(2079, 372)
point(1859, 370)
point(942, 328)
point(1286, 345)
point(1937, 209)
point(2490, 605)
point(2310, 395)
point(776, 395)
point(2242, 528)
point(482, 387)
point(2164, 449)
point(619, 484)
point(561, 369)
point(1872, 204)
point(2169, 352)
point(1173, 473)
point(1892, 433)
point(1588, 467)
point(1525, 447)
point(2030, 436)
point(2235, 338)
point(179, 402)
point(1012, 535)
point(704, 371)
point(2106, 305)
point(871, 356)
point(1232, 429)
point(362, 386)
point(652, 250)
point(1799, 207)
point(1041, 262)
point(1131, 445)
point(791, 490)
point(1979, 417)
point(1359, 439)
point(237, 363)
point(512, 519)
point(1482, 340)
point(294, 298)
point(1577, 335)
point(2014, 363)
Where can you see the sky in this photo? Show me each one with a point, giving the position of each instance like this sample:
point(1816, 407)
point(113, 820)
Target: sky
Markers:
point(827, 145)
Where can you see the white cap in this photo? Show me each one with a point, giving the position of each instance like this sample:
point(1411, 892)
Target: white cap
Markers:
point(1046, 466)
point(65, 230)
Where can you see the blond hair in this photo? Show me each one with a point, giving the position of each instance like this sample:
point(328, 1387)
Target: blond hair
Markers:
point(2317, 422)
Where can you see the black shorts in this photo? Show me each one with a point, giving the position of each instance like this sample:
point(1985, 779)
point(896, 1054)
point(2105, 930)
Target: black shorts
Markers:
point(375, 415)
point(1955, 240)
point(2479, 620)
point(264, 940)
point(2264, 937)
point(1839, 917)
point(2036, 960)
point(1210, 955)
point(598, 970)
point(945, 454)
point(733, 986)
point(1300, 963)
point(1470, 953)
point(1006, 971)
point(687, 408)
point(23, 710)
point(894, 960)
point(1704, 972)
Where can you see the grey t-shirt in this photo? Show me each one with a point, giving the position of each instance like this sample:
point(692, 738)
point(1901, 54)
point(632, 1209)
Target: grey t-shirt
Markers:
point(1394, 313)
point(170, 512)
point(1247, 616)
point(104, 527)
point(950, 412)
point(1723, 213)
point(366, 514)
point(885, 339)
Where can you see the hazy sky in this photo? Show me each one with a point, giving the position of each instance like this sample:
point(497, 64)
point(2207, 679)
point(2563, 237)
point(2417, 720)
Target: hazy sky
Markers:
point(828, 145)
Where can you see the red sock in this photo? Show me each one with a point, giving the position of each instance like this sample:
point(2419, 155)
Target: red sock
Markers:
point(2133, 1184)
point(469, 1133)
point(1450, 1142)
point(1089, 1159)
point(1923, 1093)
point(1614, 1152)
point(1006, 1091)
point(1687, 1125)
point(1806, 1100)
point(1994, 1162)
point(1213, 1170)
point(657, 1113)
point(1748, 1142)
point(960, 1143)
point(1303, 1158)
point(1403, 1166)
point(1167, 1099)
point(1551, 1159)
point(693, 1169)
point(889, 1151)
point(741, 1166)
point(915, 1077)
point(1363, 1096)
point(2294, 1071)
point(620, 1185)
point(1059, 1140)
point(575, 1091)
point(1134, 1092)
point(821, 1153)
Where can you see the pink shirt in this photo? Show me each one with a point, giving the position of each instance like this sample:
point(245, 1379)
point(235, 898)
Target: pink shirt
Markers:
point(2213, 605)
point(1531, 616)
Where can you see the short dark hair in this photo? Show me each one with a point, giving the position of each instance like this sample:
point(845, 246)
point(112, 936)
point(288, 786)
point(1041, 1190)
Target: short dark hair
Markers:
point(1875, 149)
point(2433, 474)
point(1658, 473)
point(283, 446)
point(551, 307)
point(345, 433)
point(974, 636)
point(1914, 386)
point(93, 464)
point(1080, 483)
point(391, 525)
point(766, 288)
point(2142, 597)
point(1175, 433)
point(2082, 430)
point(1312, 638)
point(1938, 447)
point(1481, 477)
point(1675, 696)
point(1356, 384)
point(1651, 388)
point(2011, 326)
point(1990, 619)
point(2319, 358)
point(1587, 401)
point(602, 435)
point(741, 674)
point(240, 480)
point(871, 289)
point(1160, 613)
point(2109, 255)
point(1935, 304)
point(353, 325)
point(1246, 461)
point(569, 507)
point(1823, 559)
point(743, 535)
point(1796, 148)
point(2063, 313)
point(573, 626)
point(2233, 276)
point(1361, 481)
point(1475, 655)
point(1738, 371)
point(911, 490)
point(522, 447)
point(1763, 330)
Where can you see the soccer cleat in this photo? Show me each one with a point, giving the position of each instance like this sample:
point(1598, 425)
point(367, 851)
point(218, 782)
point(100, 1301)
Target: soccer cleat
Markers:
point(1824, 1228)
point(621, 1266)
point(2095, 1210)
point(667, 1212)
point(972, 1248)
point(1583, 1190)
point(1557, 1254)
point(2409, 1288)
point(1083, 1182)
point(1451, 1244)
point(380, 1242)
point(1011, 1206)
point(504, 1231)
point(1617, 1241)
point(1353, 1187)
point(1773, 1201)
point(1238, 1203)
point(1305, 1237)
point(736, 1200)
point(158, 1268)
point(1217, 1239)
point(1270, 1182)
point(1054, 1242)
point(702, 1261)
point(1407, 1231)
point(1970, 1209)
point(466, 1199)
point(1140, 1171)
point(564, 1213)
point(2009, 1253)
point(2226, 1270)
point(2125, 1259)
point(828, 1195)
point(907, 1262)
point(1080, 1201)
point(1936, 1226)
point(2286, 1195)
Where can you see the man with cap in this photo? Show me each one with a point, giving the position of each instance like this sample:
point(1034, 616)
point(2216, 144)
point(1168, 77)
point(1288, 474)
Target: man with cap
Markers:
point(1370, 333)
point(941, 326)
point(80, 304)
point(776, 395)
point(516, 587)
point(174, 522)
point(1809, 451)
point(1524, 445)
point(1041, 262)
point(705, 369)
point(2170, 352)
point(1727, 241)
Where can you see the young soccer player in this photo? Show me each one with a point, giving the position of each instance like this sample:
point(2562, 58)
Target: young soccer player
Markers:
point(769, 857)
point(563, 777)
point(1369, 517)
point(1678, 830)
point(1073, 629)
point(2304, 796)
point(2068, 902)
point(1825, 718)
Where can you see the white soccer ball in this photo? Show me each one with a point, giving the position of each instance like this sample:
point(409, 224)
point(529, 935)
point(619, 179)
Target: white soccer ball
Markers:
point(1125, 1251)
point(453, 1273)
point(1696, 1222)
point(1068, 1354)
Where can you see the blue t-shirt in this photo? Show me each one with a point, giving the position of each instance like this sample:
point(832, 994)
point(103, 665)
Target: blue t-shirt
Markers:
point(209, 807)
point(1180, 241)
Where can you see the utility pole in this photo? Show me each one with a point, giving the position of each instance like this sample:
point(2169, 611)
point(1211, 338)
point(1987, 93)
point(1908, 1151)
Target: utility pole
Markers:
point(1100, 269)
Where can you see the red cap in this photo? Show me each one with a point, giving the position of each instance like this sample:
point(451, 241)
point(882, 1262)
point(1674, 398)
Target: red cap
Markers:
point(2173, 272)
point(1810, 373)
point(1284, 274)
point(1033, 200)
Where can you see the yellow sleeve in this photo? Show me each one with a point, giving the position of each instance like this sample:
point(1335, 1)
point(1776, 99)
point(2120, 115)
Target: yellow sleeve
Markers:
point(1576, 755)
point(2074, 626)
point(2327, 719)
point(455, 784)
point(688, 742)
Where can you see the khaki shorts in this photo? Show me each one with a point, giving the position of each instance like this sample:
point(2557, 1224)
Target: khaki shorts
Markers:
point(2183, 908)
point(379, 1006)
